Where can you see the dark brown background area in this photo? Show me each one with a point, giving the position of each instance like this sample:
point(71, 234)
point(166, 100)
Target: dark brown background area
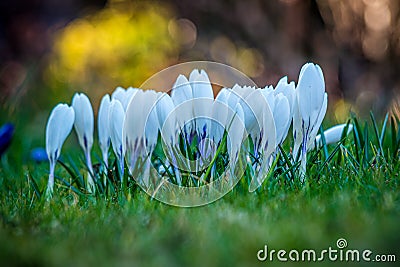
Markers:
point(335, 34)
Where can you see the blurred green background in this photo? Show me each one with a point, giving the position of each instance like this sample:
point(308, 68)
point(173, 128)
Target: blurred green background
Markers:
point(51, 49)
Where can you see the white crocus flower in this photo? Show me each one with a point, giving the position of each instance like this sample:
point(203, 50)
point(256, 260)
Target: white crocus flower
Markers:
point(230, 120)
point(59, 125)
point(332, 135)
point(203, 98)
point(103, 127)
point(310, 108)
point(124, 96)
point(261, 128)
point(140, 133)
point(84, 124)
point(116, 124)
point(167, 126)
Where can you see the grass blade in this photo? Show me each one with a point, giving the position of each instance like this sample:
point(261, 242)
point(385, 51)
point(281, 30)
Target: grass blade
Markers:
point(376, 131)
point(366, 144)
point(384, 126)
point(287, 161)
point(324, 147)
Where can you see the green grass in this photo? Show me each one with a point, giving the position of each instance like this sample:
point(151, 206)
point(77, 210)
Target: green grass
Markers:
point(352, 192)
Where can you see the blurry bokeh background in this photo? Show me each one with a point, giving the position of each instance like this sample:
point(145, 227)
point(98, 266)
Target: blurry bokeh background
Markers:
point(49, 49)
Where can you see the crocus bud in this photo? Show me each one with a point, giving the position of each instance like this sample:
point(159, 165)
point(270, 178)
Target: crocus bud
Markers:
point(58, 128)
point(103, 127)
point(140, 132)
point(311, 104)
point(116, 124)
point(262, 130)
point(84, 129)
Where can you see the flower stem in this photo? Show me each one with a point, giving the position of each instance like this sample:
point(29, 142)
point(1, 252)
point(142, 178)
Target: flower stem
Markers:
point(50, 184)
point(90, 186)
point(121, 166)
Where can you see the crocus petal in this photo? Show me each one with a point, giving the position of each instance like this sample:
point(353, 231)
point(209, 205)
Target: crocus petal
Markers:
point(253, 111)
point(116, 123)
point(118, 94)
point(310, 92)
point(332, 135)
point(236, 130)
point(58, 127)
point(129, 93)
point(181, 91)
point(280, 110)
point(270, 97)
point(103, 127)
point(238, 95)
point(223, 95)
point(203, 97)
point(166, 117)
point(140, 131)
point(297, 129)
point(243, 91)
point(201, 86)
point(263, 134)
point(83, 120)
point(220, 110)
point(263, 131)
point(181, 94)
point(320, 118)
point(288, 90)
point(282, 117)
point(124, 96)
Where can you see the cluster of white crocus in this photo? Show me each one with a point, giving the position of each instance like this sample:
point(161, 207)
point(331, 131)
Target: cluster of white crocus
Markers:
point(133, 119)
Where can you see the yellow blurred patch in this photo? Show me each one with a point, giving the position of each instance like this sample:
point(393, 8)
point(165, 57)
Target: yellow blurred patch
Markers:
point(121, 45)
point(342, 110)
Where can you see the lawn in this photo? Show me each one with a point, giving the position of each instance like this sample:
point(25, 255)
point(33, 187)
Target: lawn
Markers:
point(352, 192)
